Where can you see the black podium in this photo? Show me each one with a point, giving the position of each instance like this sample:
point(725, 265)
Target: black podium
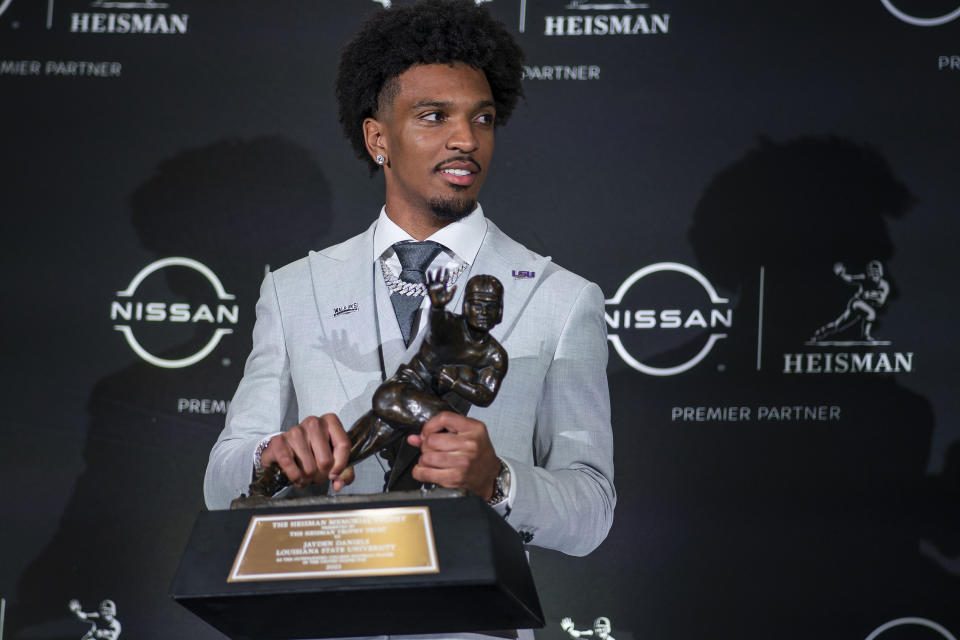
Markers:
point(329, 567)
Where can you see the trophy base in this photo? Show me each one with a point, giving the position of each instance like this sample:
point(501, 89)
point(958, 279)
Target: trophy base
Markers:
point(462, 569)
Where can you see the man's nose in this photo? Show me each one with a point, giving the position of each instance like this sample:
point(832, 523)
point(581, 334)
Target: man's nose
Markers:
point(462, 137)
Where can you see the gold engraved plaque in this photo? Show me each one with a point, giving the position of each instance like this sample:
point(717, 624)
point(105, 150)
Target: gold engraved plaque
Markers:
point(334, 544)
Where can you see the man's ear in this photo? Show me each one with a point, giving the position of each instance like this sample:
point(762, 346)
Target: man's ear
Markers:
point(373, 136)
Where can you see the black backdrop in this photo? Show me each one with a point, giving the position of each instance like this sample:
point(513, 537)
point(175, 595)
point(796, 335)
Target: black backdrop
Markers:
point(708, 169)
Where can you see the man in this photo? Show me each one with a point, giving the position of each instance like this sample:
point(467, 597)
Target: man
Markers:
point(420, 89)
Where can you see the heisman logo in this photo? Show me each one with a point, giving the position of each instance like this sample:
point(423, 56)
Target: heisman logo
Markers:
point(600, 631)
point(601, 18)
point(861, 310)
point(685, 317)
point(103, 622)
point(149, 20)
point(853, 327)
point(146, 312)
point(921, 22)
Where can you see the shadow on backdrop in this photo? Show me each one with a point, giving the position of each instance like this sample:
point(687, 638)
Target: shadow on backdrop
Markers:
point(793, 528)
point(235, 206)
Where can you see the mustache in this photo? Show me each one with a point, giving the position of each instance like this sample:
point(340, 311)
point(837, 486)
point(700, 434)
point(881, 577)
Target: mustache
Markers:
point(469, 159)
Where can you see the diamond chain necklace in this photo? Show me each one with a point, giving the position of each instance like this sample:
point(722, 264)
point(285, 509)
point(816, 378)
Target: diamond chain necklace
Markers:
point(396, 285)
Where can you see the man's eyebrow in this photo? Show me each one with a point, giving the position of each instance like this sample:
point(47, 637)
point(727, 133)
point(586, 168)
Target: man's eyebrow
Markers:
point(432, 103)
point(440, 104)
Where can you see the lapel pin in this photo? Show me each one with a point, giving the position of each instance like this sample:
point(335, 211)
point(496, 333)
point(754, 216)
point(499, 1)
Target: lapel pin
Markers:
point(347, 308)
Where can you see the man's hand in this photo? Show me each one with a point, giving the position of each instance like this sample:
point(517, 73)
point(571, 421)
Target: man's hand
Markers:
point(456, 453)
point(314, 451)
point(440, 295)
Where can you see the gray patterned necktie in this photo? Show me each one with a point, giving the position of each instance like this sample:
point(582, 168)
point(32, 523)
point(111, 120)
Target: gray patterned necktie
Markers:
point(414, 257)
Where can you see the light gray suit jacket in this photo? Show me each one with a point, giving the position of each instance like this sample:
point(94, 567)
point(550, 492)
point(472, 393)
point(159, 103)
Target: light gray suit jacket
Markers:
point(550, 421)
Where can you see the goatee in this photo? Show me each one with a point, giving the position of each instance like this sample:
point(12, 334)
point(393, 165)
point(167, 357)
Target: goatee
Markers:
point(452, 209)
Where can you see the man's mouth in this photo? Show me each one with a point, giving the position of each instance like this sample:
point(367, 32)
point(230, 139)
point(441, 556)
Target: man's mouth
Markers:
point(461, 173)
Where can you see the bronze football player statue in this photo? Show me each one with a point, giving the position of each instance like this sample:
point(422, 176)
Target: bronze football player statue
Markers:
point(458, 364)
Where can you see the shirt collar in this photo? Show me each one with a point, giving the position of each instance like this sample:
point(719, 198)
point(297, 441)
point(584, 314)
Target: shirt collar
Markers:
point(463, 237)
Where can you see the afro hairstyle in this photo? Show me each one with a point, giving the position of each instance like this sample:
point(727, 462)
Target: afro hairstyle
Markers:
point(427, 32)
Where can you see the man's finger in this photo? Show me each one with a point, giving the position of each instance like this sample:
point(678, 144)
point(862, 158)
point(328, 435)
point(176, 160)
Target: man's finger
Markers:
point(447, 478)
point(346, 477)
point(449, 442)
point(436, 424)
point(339, 441)
point(280, 452)
point(318, 449)
point(299, 441)
point(447, 421)
point(444, 460)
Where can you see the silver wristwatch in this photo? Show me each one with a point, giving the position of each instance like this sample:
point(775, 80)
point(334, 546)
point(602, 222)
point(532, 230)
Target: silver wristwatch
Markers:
point(501, 487)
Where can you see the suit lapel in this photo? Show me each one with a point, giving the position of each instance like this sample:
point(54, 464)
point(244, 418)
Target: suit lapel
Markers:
point(395, 352)
point(343, 277)
point(518, 269)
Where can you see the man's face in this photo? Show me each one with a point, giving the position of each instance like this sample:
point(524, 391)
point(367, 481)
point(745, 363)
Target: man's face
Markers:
point(438, 135)
point(483, 311)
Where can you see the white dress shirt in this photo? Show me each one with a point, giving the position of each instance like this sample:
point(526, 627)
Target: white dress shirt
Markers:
point(461, 241)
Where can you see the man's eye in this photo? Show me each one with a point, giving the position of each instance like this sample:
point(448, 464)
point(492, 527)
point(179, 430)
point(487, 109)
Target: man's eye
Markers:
point(433, 116)
point(485, 118)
